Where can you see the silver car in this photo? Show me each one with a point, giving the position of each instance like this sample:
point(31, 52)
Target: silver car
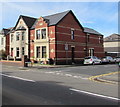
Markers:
point(117, 59)
point(107, 59)
point(92, 60)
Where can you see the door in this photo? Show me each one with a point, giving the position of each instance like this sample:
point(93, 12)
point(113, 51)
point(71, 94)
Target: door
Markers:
point(73, 54)
point(91, 52)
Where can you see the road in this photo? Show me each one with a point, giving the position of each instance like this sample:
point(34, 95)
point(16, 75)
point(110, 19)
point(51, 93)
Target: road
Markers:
point(57, 86)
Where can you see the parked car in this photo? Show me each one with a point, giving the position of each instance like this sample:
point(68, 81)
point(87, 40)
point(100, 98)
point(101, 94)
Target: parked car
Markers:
point(92, 60)
point(117, 59)
point(107, 59)
point(119, 64)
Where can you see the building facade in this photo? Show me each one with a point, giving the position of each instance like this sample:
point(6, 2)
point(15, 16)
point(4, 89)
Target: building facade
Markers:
point(20, 36)
point(112, 45)
point(60, 37)
point(3, 34)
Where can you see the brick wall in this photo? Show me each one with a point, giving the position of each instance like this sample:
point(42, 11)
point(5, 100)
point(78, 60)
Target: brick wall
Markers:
point(12, 63)
point(96, 44)
point(52, 40)
point(63, 35)
point(60, 34)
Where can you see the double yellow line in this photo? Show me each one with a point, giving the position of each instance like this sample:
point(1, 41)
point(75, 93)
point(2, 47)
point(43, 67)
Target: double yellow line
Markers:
point(94, 78)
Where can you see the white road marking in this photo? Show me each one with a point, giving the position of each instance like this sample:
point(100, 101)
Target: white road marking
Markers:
point(18, 78)
point(109, 65)
point(75, 76)
point(69, 75)
point(57, 73)
point(89, 93)
point(85, 78)
point(50, 72)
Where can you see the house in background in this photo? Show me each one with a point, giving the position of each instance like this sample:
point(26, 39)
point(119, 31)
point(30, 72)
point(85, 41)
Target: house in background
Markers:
point(3, 34)
point(112, 45)
point(4, 40)
point(60, 37)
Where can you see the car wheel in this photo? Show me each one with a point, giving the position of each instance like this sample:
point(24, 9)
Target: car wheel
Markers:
point(93, 63)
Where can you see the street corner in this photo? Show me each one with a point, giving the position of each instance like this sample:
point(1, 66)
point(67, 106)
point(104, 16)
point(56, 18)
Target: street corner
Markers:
point(109, 78)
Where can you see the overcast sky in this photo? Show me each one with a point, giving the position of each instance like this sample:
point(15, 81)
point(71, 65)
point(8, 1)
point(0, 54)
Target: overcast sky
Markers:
point(101, 16)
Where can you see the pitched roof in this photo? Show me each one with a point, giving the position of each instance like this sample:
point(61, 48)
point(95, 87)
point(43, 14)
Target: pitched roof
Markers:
point(92, 31)
point(53, 19)
point(56, 18)
point(5, 31)
point(112, 37)
point(29, 21)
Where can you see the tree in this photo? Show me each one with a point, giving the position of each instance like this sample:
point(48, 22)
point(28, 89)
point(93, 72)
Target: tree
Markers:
point(2, 54)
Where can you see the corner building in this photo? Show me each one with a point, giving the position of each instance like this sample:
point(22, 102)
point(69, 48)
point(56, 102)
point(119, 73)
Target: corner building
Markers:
point(62, 38)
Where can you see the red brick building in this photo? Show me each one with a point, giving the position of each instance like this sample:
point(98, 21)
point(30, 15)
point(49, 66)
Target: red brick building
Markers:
point(65, 40)
point(60, 37)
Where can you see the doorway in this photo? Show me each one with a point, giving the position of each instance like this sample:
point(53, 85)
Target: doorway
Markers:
point(91, 52)
point(73, 54)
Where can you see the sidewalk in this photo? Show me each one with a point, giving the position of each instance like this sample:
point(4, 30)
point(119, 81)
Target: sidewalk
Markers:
point(49, 66)
point(112, 78)
point(52, 66)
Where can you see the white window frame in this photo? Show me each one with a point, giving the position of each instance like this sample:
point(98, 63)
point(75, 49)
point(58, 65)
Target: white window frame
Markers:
point(38, 53)
point(40, 37)
point(23, 36)
point(23, 50)
point(44, 52)
point(72, 34)
point(45, 33)
point(17, 51)
point(17, 36)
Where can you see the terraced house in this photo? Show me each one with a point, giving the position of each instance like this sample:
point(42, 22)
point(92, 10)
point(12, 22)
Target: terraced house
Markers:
point(60, 37)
